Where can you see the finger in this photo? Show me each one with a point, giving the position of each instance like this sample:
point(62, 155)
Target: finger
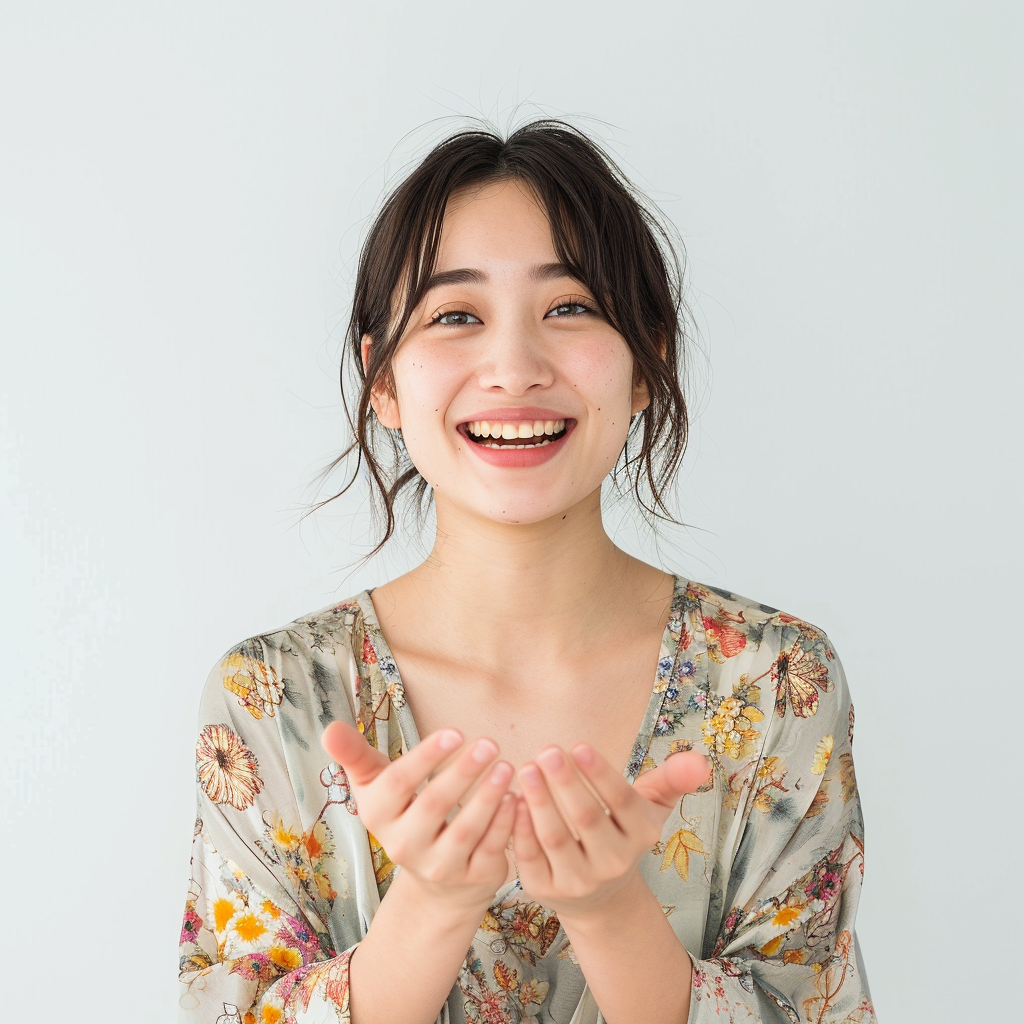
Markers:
point(495, 839)
point(529, 854)
point(346, 746)
point(678, 774)
point(549, 826)
point(584, 813)
point(405, 775)
point(611, 788)
point(429, 812)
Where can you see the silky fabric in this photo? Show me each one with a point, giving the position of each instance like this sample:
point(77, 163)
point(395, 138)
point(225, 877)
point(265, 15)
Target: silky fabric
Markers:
point(759, 872)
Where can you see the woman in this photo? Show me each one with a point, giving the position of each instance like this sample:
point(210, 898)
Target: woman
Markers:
point(516, 327)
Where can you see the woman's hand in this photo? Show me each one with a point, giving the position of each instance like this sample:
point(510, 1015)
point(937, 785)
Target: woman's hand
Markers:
point(577, 876)
point(461, 860)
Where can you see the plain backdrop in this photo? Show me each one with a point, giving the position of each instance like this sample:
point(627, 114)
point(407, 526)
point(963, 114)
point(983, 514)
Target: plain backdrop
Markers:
point(183, 191)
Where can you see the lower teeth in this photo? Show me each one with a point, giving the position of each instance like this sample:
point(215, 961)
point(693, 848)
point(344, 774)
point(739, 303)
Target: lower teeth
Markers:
point(492, 444)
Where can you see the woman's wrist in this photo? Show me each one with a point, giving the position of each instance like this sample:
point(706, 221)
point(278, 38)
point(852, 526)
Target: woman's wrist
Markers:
point(447, 908)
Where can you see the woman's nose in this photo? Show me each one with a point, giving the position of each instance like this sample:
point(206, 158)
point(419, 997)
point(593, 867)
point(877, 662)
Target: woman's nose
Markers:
point(513, 358)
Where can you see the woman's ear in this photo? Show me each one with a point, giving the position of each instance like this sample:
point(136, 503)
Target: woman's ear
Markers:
point(384, 403)
point(641, 394)
point(641, 397)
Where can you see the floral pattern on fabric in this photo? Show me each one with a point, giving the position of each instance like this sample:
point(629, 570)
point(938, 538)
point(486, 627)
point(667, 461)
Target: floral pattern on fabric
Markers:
point(758, 871)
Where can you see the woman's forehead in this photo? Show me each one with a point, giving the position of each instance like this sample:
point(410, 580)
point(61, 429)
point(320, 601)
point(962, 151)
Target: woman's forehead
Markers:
point(501, 220)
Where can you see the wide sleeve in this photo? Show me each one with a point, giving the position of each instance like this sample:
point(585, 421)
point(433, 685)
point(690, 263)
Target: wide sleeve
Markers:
point(274, 889)
point(787, 949)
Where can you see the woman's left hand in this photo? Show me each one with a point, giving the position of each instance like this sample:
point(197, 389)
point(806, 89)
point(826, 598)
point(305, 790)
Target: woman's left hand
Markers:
point(575, 877)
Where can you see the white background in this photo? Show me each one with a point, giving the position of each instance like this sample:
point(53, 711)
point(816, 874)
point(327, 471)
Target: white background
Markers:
point(183, 189)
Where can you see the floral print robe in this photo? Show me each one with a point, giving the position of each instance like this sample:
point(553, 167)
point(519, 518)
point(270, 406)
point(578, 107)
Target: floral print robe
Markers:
point(759, 872)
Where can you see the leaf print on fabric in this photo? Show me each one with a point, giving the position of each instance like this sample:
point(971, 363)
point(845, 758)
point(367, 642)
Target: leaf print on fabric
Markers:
point(528, 928)
point(506, 977)
point(818, 802)
point(327, 980)
point(829, 980)
point(256, 684)
point(822, 755)
point(798, 675)
point(226, 768)
point(509, 1002)
point(766, 778)
point(811, 634)
point(847, 777)
point(680, 845)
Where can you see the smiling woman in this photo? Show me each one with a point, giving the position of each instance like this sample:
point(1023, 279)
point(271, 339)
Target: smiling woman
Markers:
point(588, 249)
point(634, 796)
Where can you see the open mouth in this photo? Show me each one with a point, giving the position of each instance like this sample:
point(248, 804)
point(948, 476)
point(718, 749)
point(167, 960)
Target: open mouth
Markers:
point(534, 434)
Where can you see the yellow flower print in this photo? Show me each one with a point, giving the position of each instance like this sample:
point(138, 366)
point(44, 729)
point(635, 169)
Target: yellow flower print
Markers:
point(249, 928)
point(224, 908)
point(285, 957)
point(270, 1015)
point(257, 686)
point(785, 916)
point(283, 837)
point(227, 768)
point(730, 729)
point(533, 991)
point(822, 755)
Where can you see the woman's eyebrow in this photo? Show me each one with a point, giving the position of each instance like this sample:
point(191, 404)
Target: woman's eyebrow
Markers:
point(468, 275)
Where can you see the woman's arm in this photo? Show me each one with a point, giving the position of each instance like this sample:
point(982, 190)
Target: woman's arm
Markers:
point(282, 867)
point(410, 958)
point(626, 949)
point(786, 949)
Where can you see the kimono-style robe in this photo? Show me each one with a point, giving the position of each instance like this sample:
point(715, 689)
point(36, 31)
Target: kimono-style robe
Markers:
point(759, 872)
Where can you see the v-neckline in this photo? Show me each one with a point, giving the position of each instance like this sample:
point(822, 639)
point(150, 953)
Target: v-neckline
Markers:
point(668, 658)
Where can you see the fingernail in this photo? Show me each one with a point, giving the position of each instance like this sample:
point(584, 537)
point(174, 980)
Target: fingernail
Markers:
point(484, 750)
point(502, 773)
point(530, 775)
point(449, 739)
point(551, 758)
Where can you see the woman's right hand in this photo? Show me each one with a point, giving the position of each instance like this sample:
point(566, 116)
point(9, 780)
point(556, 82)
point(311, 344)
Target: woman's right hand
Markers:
point(461, 860)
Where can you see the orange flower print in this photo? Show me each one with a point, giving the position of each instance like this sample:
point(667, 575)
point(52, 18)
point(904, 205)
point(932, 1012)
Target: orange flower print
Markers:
point(227, 768)
point(723, 641)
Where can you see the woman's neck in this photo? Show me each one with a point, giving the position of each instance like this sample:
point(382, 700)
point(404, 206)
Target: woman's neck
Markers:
point(487, 589)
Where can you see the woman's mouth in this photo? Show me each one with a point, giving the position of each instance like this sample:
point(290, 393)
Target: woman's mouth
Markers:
point(525, 434)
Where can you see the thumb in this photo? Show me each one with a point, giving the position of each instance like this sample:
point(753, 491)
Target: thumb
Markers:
point(677, 775)
point(347, 746)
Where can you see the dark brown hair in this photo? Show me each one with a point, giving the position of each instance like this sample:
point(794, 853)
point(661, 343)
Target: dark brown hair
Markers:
point(603, 230)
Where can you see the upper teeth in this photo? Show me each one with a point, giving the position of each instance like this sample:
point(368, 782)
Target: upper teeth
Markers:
point(509, 431)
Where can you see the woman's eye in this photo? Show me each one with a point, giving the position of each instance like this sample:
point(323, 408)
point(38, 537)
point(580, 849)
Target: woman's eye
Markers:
point(569, 309)
point(454, 318)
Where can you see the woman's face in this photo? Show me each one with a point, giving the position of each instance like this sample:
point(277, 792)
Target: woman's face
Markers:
point(505, 337)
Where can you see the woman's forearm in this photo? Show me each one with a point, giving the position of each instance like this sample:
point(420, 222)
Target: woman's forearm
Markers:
point(405, 967)
point(636, 967)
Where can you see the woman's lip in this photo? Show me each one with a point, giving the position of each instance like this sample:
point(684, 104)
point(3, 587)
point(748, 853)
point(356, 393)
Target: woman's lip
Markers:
point(526, 415)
